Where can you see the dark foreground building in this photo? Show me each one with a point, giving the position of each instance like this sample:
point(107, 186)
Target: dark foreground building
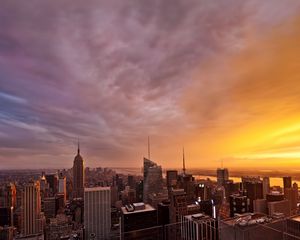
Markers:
point(139, 221)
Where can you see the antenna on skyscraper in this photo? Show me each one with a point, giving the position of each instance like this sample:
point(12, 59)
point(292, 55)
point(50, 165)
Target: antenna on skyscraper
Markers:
point(222, 163)
point(183, 161)
point(78, 147)
point(148, 148)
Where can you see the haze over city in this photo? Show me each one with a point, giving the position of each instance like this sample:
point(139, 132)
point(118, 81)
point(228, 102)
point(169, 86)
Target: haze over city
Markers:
point(219, 78)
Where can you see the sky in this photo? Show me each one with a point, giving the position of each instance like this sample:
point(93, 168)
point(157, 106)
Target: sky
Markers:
point(221, 78)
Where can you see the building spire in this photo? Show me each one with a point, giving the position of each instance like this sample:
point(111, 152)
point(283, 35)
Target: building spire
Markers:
point(78, 147)
point(148, 148)
point(183, 161)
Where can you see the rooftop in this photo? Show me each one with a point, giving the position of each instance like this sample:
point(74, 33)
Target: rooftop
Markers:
point(146, 209)
point(198, 217)
point(247, 219)
point(93, 189)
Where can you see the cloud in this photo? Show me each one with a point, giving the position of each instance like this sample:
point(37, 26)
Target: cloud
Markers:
point(113, 72)
point(249, 104)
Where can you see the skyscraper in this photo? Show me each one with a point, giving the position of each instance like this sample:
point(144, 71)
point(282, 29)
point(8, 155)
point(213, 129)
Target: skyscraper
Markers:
point(31, 210)
point(287, 182)
point(97, 218)
point(52, 180)
point(152, 178)
point(222, 176)
point(253, 189)
point(266, 186)
point(131, 181)
point(171, 180)
point(178, 205)
point(62, 186)
point(8, 195)
point(78, 175)
point(238, 204)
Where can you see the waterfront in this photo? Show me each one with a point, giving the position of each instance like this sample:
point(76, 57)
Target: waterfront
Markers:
point(274, 181)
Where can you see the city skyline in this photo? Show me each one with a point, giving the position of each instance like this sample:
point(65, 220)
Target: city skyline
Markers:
point(220, 79)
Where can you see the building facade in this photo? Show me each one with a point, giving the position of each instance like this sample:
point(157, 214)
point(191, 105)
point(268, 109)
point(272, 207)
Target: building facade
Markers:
point(97, 217)
point(32, 221)
point(152, 179)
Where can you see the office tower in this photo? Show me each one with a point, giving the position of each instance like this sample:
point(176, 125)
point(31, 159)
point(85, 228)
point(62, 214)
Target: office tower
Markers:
point(62, 186)
point(114, 195)
point(44, 186)
point(199, 227)
point(238, 204)
point(152, 178)
point(128, 195)
point(138, 221)
point(97, 218)
point(203, 190)
point(154, 199)
point(8, 195)
point(131, 182)
point(11, 196)
point(266, 186)
point(291, 194)
point(139, 189)
point(77, 209)
point(260, 206)
point(186, 182)
point(5, 216)
point(50, 207)
point(222, 176)
point(253, 189)
point(31, 210)
point(52, 181)
point(119, 183)
point(277, 204)
point(78, 175)
point(60, 200)
point(178, 205)
point(172, 176)
point(231, 188)
point(287, 182)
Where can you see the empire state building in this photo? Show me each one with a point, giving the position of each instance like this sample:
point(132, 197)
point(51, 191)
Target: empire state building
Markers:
point(78, 175)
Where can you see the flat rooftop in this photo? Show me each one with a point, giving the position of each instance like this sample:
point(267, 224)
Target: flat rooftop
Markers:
point(247, 219)
point(199, 217)
point(93, 189)
point(147, 209)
